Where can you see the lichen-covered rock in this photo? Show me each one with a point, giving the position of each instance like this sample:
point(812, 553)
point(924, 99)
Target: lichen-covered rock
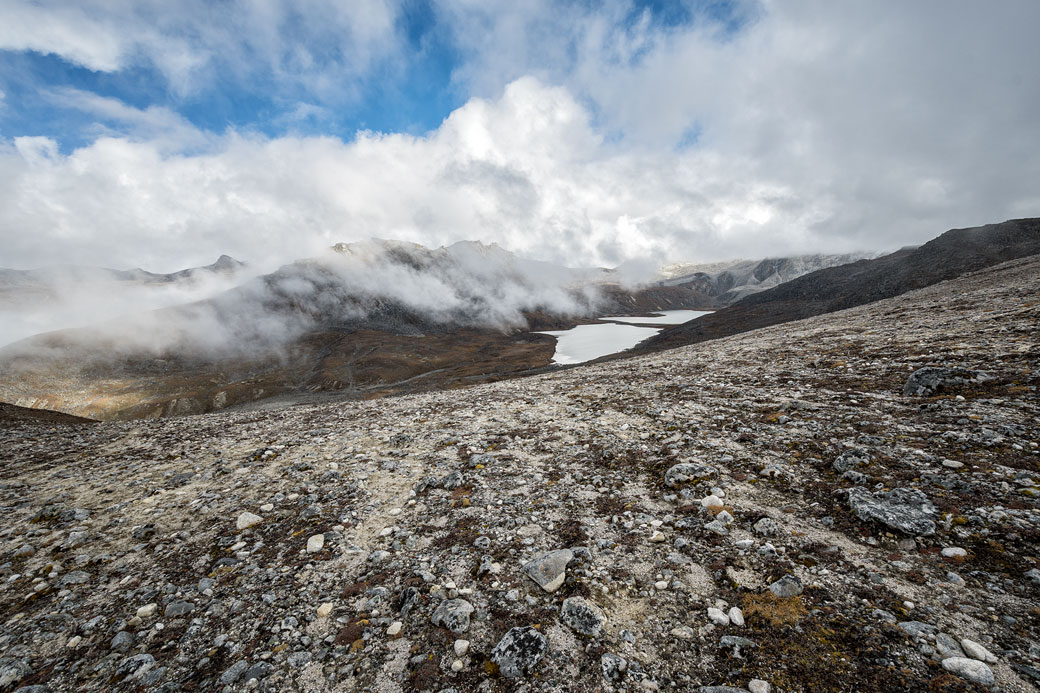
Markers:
point(906, 510)
point(12, 671)
point(612, 666)
point(582, 616)
point(453, 614)
point(519, 651)
point(135, 667)
point(687, 472)
point(925, 382)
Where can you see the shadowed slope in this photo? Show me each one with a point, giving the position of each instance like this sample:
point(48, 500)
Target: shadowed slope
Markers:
point(952, 254)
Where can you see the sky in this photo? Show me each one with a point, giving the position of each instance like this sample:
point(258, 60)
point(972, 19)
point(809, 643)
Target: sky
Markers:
point(156, 134)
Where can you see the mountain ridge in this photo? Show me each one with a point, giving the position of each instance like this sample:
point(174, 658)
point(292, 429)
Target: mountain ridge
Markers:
point(951, 254)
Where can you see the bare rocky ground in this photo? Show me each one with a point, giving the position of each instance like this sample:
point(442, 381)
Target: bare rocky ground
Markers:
point(767, 510)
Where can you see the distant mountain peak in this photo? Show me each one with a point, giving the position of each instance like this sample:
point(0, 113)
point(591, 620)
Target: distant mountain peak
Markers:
point(225, 263)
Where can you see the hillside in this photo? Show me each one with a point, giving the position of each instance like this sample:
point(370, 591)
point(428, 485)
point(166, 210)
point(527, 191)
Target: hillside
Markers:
point(768, 509)
point(953, 253)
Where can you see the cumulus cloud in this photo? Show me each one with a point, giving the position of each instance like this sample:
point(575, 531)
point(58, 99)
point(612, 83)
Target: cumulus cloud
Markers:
point(596, 137)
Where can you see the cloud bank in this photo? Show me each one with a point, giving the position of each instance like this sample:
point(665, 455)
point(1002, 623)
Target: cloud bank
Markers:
point(397, 287)
point(594, 139)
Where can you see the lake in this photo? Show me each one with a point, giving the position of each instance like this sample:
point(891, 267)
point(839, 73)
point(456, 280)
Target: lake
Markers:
point(612, 334)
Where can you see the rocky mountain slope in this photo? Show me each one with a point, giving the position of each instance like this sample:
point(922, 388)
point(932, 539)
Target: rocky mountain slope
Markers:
point(953, 253)
point(724, 283)
point(797, 508)
point(368, 318)
point(371, 318)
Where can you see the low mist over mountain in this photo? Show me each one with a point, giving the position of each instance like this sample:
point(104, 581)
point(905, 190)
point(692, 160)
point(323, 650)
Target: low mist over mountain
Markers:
point(366, 315)
point(62, 296)
point(382, 317)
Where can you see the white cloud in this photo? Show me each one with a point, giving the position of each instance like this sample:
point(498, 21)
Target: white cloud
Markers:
point(166, 129)
point(527, 170)
point(823, 127)
point(320, 47)
point(70, 32)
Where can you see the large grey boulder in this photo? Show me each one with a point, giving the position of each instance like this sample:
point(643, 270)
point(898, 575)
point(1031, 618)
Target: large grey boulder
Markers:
point(925, 382)
point(906, 510)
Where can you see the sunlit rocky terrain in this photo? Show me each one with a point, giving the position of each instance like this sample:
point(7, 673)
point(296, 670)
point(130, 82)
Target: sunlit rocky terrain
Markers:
point(797, 508)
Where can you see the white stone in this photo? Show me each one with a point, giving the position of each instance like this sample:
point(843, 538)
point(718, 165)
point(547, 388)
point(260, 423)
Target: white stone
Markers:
point(266, 507)
point(711, 502)
point(759, 686)
point(736, 616)
point(324, 610)
point(394, 628)
point(954, 552)
point(147, 611)
point(970, 669)
point(661, 585)
point(74, 642)
point(717, 616)
point(316, 543)
point(461, 648)
point(457, 665)
point(977, 651)
point(684, 633)
point(247, 520)
point(725, 517)
point(657, 537)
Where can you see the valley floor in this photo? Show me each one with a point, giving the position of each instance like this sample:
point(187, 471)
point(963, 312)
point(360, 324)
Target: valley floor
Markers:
point(184, 553)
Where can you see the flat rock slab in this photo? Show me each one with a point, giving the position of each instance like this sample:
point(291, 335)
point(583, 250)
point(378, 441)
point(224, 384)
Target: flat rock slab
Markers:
point(971, 669)
point(906, 510)
point(927, 381)
point(549, 570)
